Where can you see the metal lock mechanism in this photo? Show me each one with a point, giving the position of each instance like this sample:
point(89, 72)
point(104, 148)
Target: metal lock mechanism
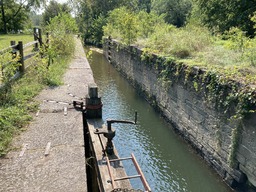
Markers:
point(110, 133)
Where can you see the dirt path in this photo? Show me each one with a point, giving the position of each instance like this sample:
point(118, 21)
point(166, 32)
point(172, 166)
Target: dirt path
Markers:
point(58, 133)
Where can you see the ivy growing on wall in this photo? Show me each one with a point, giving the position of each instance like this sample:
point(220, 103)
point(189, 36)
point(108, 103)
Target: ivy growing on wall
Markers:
point(232, 99)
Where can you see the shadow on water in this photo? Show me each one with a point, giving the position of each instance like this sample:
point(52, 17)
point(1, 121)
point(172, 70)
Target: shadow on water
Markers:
point(167, 162)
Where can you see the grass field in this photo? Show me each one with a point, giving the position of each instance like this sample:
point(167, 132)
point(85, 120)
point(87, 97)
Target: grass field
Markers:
point(6, 39)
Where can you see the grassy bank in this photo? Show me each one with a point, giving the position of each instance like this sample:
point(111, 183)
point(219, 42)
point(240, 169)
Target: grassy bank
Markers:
point(46, 69)
point(17, 99)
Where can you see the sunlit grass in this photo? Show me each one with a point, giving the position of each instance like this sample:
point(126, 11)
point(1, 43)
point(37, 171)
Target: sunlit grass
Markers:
point(6, 39)
point(196, 47)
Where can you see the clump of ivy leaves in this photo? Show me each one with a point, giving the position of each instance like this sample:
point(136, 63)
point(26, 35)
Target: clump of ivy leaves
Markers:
point(236, 100)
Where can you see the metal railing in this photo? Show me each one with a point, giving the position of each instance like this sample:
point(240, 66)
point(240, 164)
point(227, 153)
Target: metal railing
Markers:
point(139, 171)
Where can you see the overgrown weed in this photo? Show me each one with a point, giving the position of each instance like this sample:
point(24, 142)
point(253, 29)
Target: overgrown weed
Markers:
point(231, 54)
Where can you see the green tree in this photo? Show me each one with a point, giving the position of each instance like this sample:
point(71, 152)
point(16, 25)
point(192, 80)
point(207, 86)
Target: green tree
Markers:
point(54, 9)
point(35, 19)
point(221, 15)
point(144, 5)
point(104, 6)
point(148, 22)
point(124, 22)
point(61, 29)
point(176, 12)
point(95, 32)
point(13, 11)
point(91, 16)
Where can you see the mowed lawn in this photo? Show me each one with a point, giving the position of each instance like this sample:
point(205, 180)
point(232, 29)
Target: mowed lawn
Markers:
point(6, 39)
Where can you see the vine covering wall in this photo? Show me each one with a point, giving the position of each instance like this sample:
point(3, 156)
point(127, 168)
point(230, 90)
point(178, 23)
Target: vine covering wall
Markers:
point(215, 114)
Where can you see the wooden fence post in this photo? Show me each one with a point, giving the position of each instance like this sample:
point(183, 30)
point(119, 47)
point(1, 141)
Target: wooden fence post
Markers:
point(47, 38)
point(35, 38)
point(21, 54)
point(12, 43)
point(14, 53)
point(40, 37)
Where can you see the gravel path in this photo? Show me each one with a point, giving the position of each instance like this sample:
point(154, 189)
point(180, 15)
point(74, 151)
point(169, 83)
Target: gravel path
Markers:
point(57, 131)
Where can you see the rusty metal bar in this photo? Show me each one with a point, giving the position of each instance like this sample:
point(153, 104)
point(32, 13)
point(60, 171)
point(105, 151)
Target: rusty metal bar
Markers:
point(110, 174)
point(128, 177)
point(121, 159)
point(143, 179)
point(140, 173)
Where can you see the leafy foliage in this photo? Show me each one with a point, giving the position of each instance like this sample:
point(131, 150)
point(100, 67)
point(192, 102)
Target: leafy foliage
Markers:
point(9, 22)
point(8, 66)
point(221, 15)
point(61, 29)
point(54, 9)
point(14, 14)
point(148, 23)
point(95, 32)
point(175, 12)
point(91, 15)
point(129, 26)
point(150, 31)
point(123, 22)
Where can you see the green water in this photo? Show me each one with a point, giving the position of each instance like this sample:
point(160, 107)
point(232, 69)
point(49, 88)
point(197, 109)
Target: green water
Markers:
point(167, 162)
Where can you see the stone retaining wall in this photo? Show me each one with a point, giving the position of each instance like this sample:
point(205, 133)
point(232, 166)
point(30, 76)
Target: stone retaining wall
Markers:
point(183, 97)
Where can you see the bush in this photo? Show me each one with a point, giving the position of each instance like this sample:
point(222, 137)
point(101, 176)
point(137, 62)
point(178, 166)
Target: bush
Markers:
point(123, 24)
point(61, 29)
point(150, 30)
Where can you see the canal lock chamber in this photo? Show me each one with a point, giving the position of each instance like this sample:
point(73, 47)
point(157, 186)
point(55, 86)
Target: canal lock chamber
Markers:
point(200, 123)
point(167, 162)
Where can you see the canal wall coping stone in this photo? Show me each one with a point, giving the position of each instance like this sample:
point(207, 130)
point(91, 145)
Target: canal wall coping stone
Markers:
point(49, 155)
point(201, 123)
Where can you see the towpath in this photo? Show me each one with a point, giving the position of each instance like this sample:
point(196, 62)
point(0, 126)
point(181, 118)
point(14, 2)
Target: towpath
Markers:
point(49, 155)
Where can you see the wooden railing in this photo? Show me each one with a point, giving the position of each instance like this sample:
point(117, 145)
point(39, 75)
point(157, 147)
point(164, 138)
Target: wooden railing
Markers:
point(19, 53)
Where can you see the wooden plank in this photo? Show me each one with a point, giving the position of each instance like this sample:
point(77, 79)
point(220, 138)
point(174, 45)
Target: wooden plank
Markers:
point(8, 49)
point(116, 168)
point(29, 44)
point(29, 56)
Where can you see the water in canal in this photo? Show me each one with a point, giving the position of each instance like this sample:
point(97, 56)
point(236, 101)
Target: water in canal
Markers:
point(167, 162)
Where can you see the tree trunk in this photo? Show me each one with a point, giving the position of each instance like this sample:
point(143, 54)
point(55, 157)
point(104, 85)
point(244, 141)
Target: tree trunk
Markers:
point(3, 17)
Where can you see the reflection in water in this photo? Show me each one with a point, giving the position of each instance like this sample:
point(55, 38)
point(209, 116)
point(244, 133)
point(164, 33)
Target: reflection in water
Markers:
point(166, 161)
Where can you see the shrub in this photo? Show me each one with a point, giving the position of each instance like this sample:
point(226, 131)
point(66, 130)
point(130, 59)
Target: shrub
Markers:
point(123, 23)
